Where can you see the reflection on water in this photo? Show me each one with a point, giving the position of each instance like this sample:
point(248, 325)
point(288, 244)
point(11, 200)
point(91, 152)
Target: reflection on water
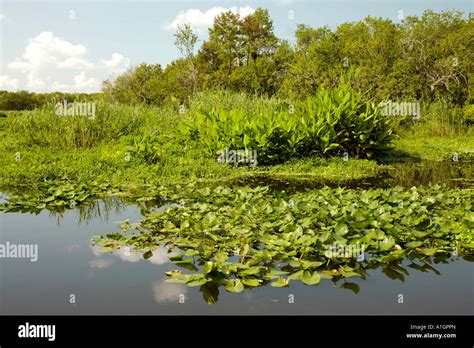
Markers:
point(124, 282)
point(406, 174)
point(167, 292)
point(160, 255)
point(427, 173)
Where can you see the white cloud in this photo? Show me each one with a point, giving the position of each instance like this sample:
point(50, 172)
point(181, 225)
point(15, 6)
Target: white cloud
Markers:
point(200, 20)
point(100, 263)
point(2, 16)
point(50, 63)
point(75, 63)
point(116, 63)
point(168, 292)
point(160, 255)
point(8, 84)
point(86, 84)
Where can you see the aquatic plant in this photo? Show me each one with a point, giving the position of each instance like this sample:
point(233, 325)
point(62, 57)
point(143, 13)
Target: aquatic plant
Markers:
point(246, 237)
point(332, 122)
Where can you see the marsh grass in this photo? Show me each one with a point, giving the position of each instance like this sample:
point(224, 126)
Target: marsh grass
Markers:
point(44, 128)
point(437, 119)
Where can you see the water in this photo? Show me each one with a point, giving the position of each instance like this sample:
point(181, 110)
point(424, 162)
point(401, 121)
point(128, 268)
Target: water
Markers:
point(406, 174)
point(72, 277)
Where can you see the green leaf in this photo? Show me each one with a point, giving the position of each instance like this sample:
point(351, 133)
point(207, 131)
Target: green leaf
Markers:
point(208, 267)
point(341, 229)
point(280, 282)
point(249, 271)
point(234, 285)
point(197, 282)
point(173, 273)
point(251, 281)
point(414, 244)
point(296, 275)
point(424, 224)
point(428, 251)
point(310, 278)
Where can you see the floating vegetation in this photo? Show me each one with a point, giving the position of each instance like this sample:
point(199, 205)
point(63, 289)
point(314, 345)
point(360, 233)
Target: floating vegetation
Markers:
point(56, 196)
point(248, 237)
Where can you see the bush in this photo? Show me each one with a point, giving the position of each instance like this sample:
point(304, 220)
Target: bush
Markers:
point(330, 123)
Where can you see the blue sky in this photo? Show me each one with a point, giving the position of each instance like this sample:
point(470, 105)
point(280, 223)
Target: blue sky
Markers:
point(74, 45)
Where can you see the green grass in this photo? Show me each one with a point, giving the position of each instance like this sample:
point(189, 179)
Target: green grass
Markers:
point(75, 149)
point(432, 147)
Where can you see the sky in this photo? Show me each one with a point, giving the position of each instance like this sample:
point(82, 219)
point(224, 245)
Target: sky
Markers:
point(72, 46)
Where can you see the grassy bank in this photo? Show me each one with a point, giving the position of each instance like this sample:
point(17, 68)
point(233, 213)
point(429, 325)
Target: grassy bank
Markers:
point(129, 146)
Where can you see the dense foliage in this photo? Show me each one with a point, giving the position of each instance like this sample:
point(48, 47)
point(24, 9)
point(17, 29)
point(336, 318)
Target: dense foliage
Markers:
point(422, 58)
point(250, 237)
point(328, 123)
point(23, 100)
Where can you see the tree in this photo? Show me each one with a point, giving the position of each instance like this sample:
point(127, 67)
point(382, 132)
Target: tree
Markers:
point(143, 84)
point(185, 41)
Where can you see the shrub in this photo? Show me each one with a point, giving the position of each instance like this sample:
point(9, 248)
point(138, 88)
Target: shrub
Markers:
point(330, 123)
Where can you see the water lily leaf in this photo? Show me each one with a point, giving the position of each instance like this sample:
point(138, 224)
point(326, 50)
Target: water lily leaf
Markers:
point(234, 285)
point(348, 274)
point(183, 261)
point(414, 244)
point(191, 252)
point(180, 279)
point(280, 282)
point(311, 264)
point(351, 286)
point(173, 272)
point(208, 267)
point(251, 281)
point(294, 263)
point(419, 234)
point(296, 275)
point(327, 274)
point(176, 257)
point(341, 229)
point(221, 257)
point(427, 251)
point(310, 278)
point(106, 249)
point(274, 274)
point(197, 282)
point(423, 225)
point(245, 250)
point(386, 244)
point(249, 271)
